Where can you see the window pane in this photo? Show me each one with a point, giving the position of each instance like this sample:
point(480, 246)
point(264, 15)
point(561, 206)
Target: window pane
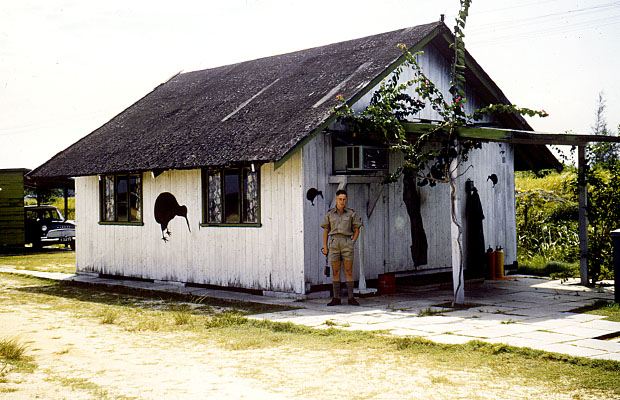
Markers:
point(214, 196)
point(56, 215)
point(121, 199)
point(135, 195)
point(108, 198)
point(231, 195)
point(250, 196)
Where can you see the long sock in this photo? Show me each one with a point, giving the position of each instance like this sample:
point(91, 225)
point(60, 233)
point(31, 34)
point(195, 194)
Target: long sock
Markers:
point(336, 290)
point(350, 289)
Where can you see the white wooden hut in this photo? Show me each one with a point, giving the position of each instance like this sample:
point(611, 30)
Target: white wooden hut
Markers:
point(241, 145)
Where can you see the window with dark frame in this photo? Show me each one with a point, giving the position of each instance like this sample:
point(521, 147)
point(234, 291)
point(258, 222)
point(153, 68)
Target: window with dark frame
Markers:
point(121, 198)
point(231, 196)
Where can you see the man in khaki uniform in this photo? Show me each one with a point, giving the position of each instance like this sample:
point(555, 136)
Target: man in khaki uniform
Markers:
point(341, 227)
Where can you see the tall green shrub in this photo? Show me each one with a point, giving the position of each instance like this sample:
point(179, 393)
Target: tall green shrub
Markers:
point(603, 217)
point(547, 216)
point(603, 208)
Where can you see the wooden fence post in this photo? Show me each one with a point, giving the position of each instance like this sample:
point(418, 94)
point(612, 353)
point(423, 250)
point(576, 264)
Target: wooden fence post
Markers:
point(583, 217)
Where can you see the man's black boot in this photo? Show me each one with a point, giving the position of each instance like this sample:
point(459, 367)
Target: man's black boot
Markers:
point(334, 302)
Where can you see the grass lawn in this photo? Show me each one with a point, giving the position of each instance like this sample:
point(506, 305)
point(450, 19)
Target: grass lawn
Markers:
point(539, 266)
point(373, 355)
point(610, 310)
point(49, 259)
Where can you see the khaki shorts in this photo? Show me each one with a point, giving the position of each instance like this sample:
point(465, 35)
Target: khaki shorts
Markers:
point(340, 248)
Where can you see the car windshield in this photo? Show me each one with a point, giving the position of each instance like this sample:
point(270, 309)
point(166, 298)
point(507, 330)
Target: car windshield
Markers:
point(48, 214)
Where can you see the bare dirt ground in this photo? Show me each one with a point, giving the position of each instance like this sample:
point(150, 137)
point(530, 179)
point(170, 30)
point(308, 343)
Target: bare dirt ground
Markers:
point(81, 358)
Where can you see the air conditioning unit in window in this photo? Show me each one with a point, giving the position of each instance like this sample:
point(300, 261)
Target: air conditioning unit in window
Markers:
point(360, 159)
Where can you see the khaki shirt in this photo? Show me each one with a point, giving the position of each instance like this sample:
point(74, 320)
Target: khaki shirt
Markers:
point(341, 224)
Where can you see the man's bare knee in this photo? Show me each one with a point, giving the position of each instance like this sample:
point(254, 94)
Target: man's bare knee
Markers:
point(348, 270)
point(336, 269)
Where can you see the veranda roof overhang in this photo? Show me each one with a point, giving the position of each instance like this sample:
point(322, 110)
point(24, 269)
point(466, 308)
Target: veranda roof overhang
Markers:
point(530, 146)
point(532, 139)
point(514, 136)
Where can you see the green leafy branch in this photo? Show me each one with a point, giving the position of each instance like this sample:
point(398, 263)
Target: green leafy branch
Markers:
point(435, 154)
point(391, 104)
point(507, 109)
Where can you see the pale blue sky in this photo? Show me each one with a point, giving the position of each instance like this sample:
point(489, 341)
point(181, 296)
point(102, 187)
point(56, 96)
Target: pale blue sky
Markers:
point(67, 67)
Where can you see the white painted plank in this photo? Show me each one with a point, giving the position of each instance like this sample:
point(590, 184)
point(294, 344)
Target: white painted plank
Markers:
point(310, 170)
point(266, 238)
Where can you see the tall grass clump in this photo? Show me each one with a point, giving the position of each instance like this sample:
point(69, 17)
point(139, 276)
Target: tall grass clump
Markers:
point(182, 318)
point(12, 349)
point(109, 316)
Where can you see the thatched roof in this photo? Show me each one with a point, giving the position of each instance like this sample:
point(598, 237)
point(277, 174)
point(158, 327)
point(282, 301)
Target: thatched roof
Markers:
point(254, 111)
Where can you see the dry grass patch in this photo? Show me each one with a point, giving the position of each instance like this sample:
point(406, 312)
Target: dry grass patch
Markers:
point(53, 259)
point(13, 358)
point(285, 355)
point(610, 310)
point(12, 349)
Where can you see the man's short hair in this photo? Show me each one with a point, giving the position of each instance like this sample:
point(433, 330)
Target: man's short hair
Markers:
point(341, 191)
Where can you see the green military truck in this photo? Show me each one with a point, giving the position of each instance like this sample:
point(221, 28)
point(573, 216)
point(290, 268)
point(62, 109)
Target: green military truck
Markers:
point(12, 231)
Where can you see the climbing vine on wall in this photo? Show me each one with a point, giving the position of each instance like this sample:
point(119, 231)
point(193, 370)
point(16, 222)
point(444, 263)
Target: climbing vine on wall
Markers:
point(391, 105)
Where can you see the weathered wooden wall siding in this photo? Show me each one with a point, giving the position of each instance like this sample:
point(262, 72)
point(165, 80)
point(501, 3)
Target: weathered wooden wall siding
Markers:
point(435, 211)
point(87, 256)
point(498, 202)
point(265, 258)
point(395, 232)
point(387, 233)
point(12, 231)
point(317, 166)
point(373, 240)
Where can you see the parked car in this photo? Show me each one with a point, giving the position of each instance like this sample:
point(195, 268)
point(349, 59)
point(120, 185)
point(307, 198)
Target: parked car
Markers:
point(45, 225)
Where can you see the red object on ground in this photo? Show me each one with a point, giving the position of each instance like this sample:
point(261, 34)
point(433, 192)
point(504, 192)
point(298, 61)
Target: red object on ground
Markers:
point(387, 284)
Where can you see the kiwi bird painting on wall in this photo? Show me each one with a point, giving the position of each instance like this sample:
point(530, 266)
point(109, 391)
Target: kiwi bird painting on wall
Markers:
point(166, 208)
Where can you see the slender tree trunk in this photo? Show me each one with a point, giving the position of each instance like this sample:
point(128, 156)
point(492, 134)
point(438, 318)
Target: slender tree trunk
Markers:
point(456, 233)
